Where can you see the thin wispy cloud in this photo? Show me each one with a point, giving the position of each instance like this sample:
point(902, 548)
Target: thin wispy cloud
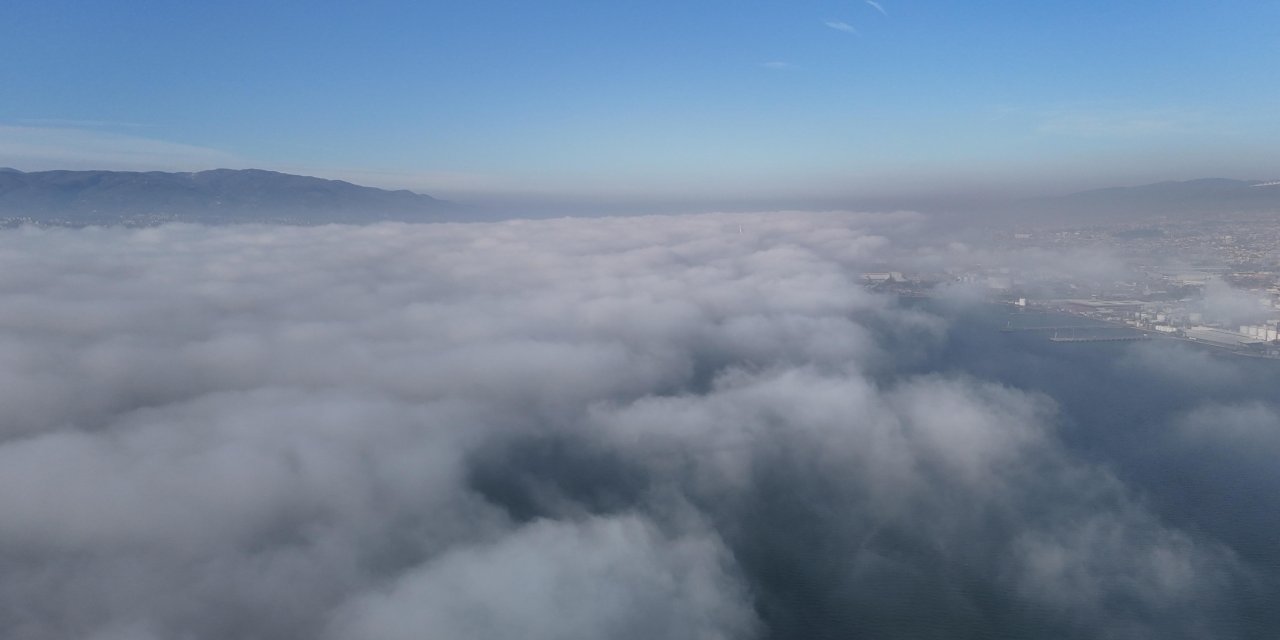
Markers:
point(842, 26)
point(877, 7)
point(778, 65)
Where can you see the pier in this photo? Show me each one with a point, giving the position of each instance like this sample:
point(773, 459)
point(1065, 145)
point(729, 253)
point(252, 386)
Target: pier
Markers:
point(1057, 338)
point(1082, 332)
point(1012, 329)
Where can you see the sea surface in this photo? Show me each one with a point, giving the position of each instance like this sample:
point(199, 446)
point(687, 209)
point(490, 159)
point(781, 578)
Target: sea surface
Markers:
point(1122, 405)
point(1119, 411)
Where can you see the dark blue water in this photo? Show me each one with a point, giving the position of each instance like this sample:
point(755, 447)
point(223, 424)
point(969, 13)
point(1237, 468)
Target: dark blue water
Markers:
point(1123, 405)
point(821, 560)
point(1121, 409)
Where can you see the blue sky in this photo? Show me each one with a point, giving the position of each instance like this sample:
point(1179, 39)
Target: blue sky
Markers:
point(699, 100)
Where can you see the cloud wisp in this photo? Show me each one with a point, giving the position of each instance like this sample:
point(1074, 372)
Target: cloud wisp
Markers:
point(876, 5)
point(840, 25)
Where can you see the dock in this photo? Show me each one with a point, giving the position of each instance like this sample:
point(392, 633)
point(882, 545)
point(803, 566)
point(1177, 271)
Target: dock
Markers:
point(1100, 338)
point(1078, 327)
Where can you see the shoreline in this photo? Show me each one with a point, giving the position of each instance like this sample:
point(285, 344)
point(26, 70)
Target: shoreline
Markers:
point(1109, 323)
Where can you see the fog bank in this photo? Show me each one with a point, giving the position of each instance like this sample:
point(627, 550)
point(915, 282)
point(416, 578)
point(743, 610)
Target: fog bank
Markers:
point(681, 427)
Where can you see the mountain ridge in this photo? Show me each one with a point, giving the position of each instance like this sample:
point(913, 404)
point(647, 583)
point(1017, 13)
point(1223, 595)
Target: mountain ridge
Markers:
point(215, 195)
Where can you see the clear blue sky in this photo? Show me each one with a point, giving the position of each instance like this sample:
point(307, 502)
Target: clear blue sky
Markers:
point(618, 100)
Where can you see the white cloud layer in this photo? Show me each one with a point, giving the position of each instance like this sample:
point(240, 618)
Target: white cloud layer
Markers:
point(685, 427)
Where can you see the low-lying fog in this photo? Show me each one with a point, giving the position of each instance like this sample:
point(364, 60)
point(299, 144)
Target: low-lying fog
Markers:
point(655, 427)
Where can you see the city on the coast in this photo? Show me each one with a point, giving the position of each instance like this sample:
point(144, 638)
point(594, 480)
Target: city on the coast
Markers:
point(1215, 283)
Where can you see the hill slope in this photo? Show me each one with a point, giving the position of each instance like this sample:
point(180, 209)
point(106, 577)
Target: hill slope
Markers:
point(220, 195)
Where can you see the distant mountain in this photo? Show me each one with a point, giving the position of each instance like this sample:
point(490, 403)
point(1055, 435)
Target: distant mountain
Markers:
point(1191, 198)
point(220, 195)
